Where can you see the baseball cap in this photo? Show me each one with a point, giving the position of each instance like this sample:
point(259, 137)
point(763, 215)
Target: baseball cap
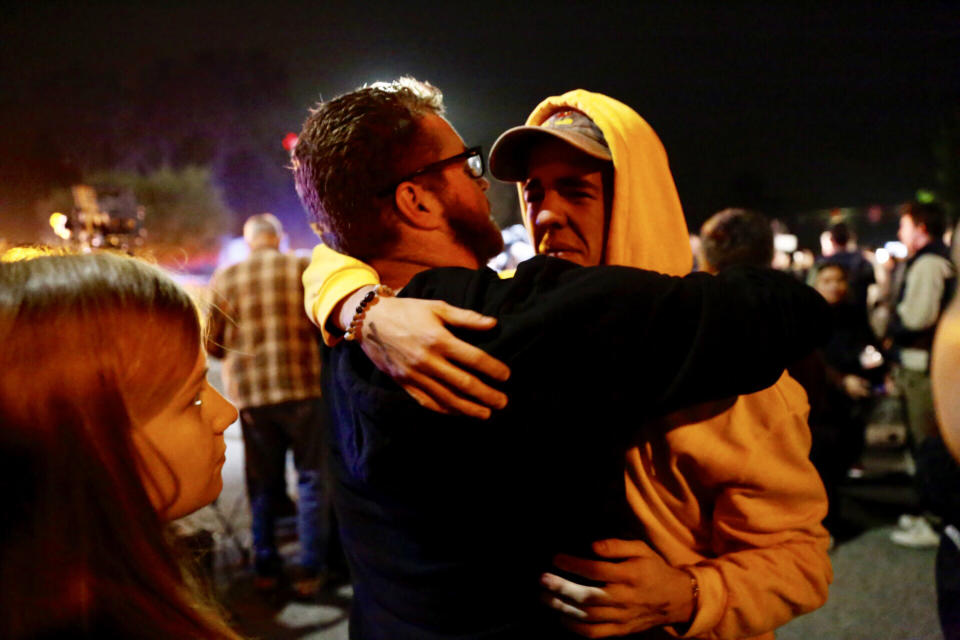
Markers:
point(508, 157)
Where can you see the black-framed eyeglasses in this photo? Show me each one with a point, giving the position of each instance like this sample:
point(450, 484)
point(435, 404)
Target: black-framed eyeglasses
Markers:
point(473, 162)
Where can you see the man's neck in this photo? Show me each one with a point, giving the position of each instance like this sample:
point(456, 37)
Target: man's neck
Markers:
point(396, 272)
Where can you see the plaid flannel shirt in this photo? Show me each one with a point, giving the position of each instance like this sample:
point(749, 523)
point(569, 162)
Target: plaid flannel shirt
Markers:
point(256, 323)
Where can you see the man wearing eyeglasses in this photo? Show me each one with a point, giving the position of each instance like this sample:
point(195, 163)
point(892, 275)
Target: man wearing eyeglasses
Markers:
point(448, 522)
point(434, 172)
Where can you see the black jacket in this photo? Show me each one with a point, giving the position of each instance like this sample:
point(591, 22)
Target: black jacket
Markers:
point(448, 521)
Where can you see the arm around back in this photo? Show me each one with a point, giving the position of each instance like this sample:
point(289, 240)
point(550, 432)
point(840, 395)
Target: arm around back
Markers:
point(329, 279)
point(406, 339)
point(683, 340)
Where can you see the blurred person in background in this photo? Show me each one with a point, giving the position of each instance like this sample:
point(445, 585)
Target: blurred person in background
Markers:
point(596, 188)
point(801, 263)
point(840, 247)
point(736, 236)
point(272, 372)
point(924, 292)
point(110, 430)
point(840, 380)
point(879, 303)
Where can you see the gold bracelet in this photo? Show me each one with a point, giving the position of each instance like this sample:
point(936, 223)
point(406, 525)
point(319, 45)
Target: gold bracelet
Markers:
point(379, 291)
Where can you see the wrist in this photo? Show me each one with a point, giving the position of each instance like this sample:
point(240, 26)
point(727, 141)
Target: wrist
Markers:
point(343, 313)
point(687, 610)
point(355, 328)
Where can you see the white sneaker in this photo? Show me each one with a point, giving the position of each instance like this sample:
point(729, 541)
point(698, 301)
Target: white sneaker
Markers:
point(921, 535)
point(908, 521)
point(856, 472)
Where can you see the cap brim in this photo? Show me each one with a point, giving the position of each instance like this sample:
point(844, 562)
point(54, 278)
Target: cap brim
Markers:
point(508, 156)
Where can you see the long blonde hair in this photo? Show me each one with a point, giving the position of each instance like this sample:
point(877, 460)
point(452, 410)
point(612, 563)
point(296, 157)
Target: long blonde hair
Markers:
point(92, 344)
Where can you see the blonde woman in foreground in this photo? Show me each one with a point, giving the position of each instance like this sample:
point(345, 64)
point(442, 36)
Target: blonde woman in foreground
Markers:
point(109, 430)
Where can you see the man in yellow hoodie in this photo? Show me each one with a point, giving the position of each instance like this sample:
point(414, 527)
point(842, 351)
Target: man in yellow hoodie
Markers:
point(732, 499)
point(731, 504)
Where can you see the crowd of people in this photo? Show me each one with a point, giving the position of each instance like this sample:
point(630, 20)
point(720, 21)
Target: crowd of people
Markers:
point(610, 443)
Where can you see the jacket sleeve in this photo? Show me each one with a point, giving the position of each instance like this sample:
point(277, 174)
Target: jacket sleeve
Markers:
point(770, 561)
point(330, 278)
point(922, 293)
point(685, 340)
point(691, 339)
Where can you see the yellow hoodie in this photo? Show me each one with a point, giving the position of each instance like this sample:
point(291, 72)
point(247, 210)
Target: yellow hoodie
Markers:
point(734, 498)
point(329, 278)
point(647, 228)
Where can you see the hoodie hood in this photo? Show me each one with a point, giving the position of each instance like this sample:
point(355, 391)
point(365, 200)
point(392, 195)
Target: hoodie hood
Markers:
point(647, 228)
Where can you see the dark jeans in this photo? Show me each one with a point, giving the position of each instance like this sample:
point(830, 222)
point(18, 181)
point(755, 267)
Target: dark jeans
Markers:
point(268, 432)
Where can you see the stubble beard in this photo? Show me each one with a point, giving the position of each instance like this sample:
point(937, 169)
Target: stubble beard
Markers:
point(475, 231)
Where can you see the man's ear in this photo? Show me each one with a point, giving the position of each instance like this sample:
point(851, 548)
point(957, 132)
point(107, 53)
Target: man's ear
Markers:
point(419, 207)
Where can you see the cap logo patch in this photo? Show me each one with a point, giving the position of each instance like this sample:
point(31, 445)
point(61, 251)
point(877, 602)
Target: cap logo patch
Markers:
point(561, 118)
point(508, 157)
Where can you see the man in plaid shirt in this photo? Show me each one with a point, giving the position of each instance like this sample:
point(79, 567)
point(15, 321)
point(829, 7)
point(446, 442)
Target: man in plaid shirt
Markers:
point(271, 368)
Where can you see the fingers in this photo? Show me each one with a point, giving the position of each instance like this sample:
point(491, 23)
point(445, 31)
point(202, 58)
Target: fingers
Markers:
point(423, 399)
point(442, 397)
point(597, 570)
point(464, 317)
point(584, 613)
point(572, 592)
point(437, 366)
point(614, 548)
point(440, 386)
point(564, 607)
point(464, 383)
point(476, 359)
point(411, 344)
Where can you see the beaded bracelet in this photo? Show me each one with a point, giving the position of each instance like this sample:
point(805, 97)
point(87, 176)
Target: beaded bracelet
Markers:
point(379, 291)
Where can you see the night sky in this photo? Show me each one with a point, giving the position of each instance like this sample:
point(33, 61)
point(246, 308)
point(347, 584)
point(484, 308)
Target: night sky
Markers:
point(789, 109)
